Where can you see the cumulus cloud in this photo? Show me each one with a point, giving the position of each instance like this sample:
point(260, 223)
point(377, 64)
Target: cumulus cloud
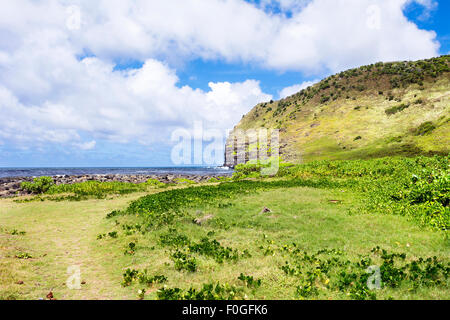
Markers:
point(289, 91)
point(59, 82)
point(320, 34)
point(137, 105)
point(328, 34)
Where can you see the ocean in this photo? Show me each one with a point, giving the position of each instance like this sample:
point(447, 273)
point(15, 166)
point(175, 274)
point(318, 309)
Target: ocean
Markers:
point(39, 172)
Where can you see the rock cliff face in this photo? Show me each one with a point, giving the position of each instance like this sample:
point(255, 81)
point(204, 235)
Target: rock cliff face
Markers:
point(230, 157)
point(384, 109)
point(236, 151)
point(243, 146)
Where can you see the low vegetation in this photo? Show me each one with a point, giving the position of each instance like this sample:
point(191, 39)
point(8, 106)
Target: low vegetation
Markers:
point(377, 102)
point(48, 190)
point(396, 109)
point(39, 185)
point(415, 188)
point(360, 229)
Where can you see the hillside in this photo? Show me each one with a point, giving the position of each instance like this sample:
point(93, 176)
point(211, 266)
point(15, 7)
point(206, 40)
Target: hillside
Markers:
point(383, 109)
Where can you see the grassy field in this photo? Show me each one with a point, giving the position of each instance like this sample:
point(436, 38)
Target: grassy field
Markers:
point(58, 235)
point(316, 241)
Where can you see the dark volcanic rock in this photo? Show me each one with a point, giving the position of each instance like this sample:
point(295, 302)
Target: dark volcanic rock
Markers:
point(10, 187)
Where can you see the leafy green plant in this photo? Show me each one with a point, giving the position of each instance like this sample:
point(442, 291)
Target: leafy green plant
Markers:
point(425, 128)
point(39, 185)
point(214, 249)
point(210, 291)
point(155, 183)
point(330, 270)
point(250, 281)
point(113, 214)
point(219, 179)
point(131, 249)
point(184, 181)
point(184, 261)
point(141, 294)
point(173, 238)
point(129, 276)
point(132, 229)
point(23, 255)
point(16, 232)
point(396, 109)
point(96, 189)
point(113, 234)
point(132, 275)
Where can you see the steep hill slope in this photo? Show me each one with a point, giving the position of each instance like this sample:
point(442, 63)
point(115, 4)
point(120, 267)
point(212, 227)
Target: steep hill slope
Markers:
point(383, 109)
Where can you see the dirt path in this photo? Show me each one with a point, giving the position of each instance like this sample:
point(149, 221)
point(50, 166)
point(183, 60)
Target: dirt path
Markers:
point(58, 235)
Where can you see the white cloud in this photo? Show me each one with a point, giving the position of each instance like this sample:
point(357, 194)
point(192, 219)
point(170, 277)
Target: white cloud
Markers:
point(428, 4)
point(48, 93)
point(331, 34)
point(86, 145)
point(140, 105)
point(289, 91)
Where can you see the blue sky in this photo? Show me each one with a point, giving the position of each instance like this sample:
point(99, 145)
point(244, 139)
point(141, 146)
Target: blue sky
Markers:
point(273, 82)
point(438, 21)
point(108, 84)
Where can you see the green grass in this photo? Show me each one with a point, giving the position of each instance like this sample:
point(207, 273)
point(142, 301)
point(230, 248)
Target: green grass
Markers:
point(58, 235)
point(151, 248)
point(48, 190)
point(407, 99)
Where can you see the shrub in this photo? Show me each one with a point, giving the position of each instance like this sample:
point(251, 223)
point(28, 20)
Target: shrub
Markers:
point(174, 239)
point(214, 249)
point(24, 256)
point(210, 291)
point(250, 281)
point(39, 185)
point(155, 183)
point(324, 99)
point(101, 189)
point(131, 275)
point(425, 128)
point(184, 181)
point(396, 109)
point(219, 179)
point(184, 261)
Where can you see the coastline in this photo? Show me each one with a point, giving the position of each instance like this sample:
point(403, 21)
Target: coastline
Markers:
point(11, 186)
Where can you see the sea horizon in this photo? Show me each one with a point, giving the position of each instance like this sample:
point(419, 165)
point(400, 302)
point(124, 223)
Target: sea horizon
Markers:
point(10, 172)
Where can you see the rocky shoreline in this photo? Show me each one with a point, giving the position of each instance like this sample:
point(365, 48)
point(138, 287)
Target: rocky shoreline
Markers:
point(10, 187)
